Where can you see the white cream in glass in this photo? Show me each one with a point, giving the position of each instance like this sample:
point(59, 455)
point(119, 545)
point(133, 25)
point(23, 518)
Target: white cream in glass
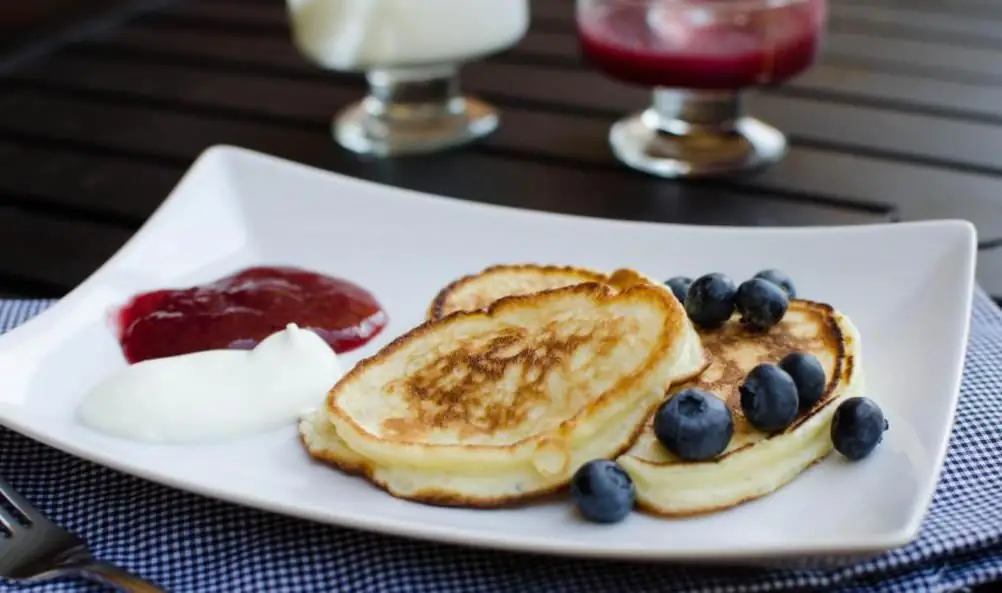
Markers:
point(411, 52)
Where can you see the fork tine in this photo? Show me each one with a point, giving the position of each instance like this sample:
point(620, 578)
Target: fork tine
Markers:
point(10, 523)
point(20, 504)
point(17, 501)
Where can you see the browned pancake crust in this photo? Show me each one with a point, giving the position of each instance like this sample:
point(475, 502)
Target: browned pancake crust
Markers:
point(600, 292)
point(621, 280)
point(440, 498)
point(779, 345)
point(440, 304)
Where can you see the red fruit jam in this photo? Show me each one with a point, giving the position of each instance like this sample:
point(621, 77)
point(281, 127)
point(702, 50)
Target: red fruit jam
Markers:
point(241, 310)
point(718, 47)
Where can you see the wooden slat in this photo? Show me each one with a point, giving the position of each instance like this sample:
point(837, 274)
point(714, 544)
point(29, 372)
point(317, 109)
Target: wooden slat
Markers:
point(917, 191)
point(936, 60)
point(989, 9)
point(266, 16)
point(934, 138)
point(908, 22)
point(164, 106)
point(921, 15)
point(898, 91)
point(558, 8)
point(613, 193)
point(308, 102)
point(838, 81)
point(52, 255)
point(962, 11)
point(897, 134)
point(266, 51)
point(951, 24)
point(38, 15)
point(844, 45)
point(122, 190)
point(962, 28)
point(940, 60)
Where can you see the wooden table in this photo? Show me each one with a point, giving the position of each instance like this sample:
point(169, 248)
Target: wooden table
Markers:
point(900, 120)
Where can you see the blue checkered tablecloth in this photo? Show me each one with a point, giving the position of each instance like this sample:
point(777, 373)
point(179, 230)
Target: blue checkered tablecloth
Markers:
point(192, 544)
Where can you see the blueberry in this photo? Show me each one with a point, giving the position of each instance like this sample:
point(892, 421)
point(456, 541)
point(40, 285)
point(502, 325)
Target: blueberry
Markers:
point(769, 398)
point(603, 491)
point(679, 285)
point(710, 300)
point(858, 427)
point(808, 375)
point(694, 425)
point(779, 279)
point(761, 303)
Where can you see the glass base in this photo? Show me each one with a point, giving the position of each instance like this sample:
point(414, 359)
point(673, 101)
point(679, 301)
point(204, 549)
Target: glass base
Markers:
point(419, 132)
point(692, 135)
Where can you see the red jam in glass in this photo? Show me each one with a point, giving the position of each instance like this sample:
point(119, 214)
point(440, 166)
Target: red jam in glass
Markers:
point(242, 309)
point(672, 47)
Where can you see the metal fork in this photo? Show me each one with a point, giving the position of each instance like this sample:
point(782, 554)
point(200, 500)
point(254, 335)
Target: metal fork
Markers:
point(36, 549)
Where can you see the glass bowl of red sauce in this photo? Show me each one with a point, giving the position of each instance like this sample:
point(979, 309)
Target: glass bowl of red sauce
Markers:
point(699, 57)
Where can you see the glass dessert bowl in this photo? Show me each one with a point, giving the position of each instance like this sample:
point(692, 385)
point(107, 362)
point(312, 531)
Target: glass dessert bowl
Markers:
point(699, 56)
point(410, 52)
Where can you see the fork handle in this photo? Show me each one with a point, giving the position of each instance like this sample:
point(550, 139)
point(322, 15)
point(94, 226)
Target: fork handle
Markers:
point(111, 575)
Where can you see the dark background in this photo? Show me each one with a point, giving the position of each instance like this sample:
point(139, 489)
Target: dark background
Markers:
point(900, 120)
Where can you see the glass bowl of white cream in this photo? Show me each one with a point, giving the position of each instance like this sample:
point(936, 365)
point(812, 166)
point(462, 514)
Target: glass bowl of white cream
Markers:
point(411, 52)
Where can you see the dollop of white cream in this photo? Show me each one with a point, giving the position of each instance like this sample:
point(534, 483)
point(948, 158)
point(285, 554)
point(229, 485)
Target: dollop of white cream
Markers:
point(215, 394)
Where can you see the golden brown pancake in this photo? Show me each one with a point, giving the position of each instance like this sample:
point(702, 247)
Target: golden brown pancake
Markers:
point(495, 406)
point(478, 291)
point(754, 463)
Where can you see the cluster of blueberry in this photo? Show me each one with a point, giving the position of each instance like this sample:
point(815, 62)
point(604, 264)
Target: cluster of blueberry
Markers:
point(695, 425)
point(710, 300)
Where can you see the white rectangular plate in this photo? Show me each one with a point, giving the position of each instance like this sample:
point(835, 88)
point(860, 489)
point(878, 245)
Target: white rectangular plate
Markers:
point(908, 288)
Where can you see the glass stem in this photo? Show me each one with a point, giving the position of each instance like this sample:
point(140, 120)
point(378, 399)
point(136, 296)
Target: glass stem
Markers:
point(679, 111)
point(409, 94)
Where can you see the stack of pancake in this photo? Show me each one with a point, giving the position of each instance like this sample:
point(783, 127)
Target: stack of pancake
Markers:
point(523, 373)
